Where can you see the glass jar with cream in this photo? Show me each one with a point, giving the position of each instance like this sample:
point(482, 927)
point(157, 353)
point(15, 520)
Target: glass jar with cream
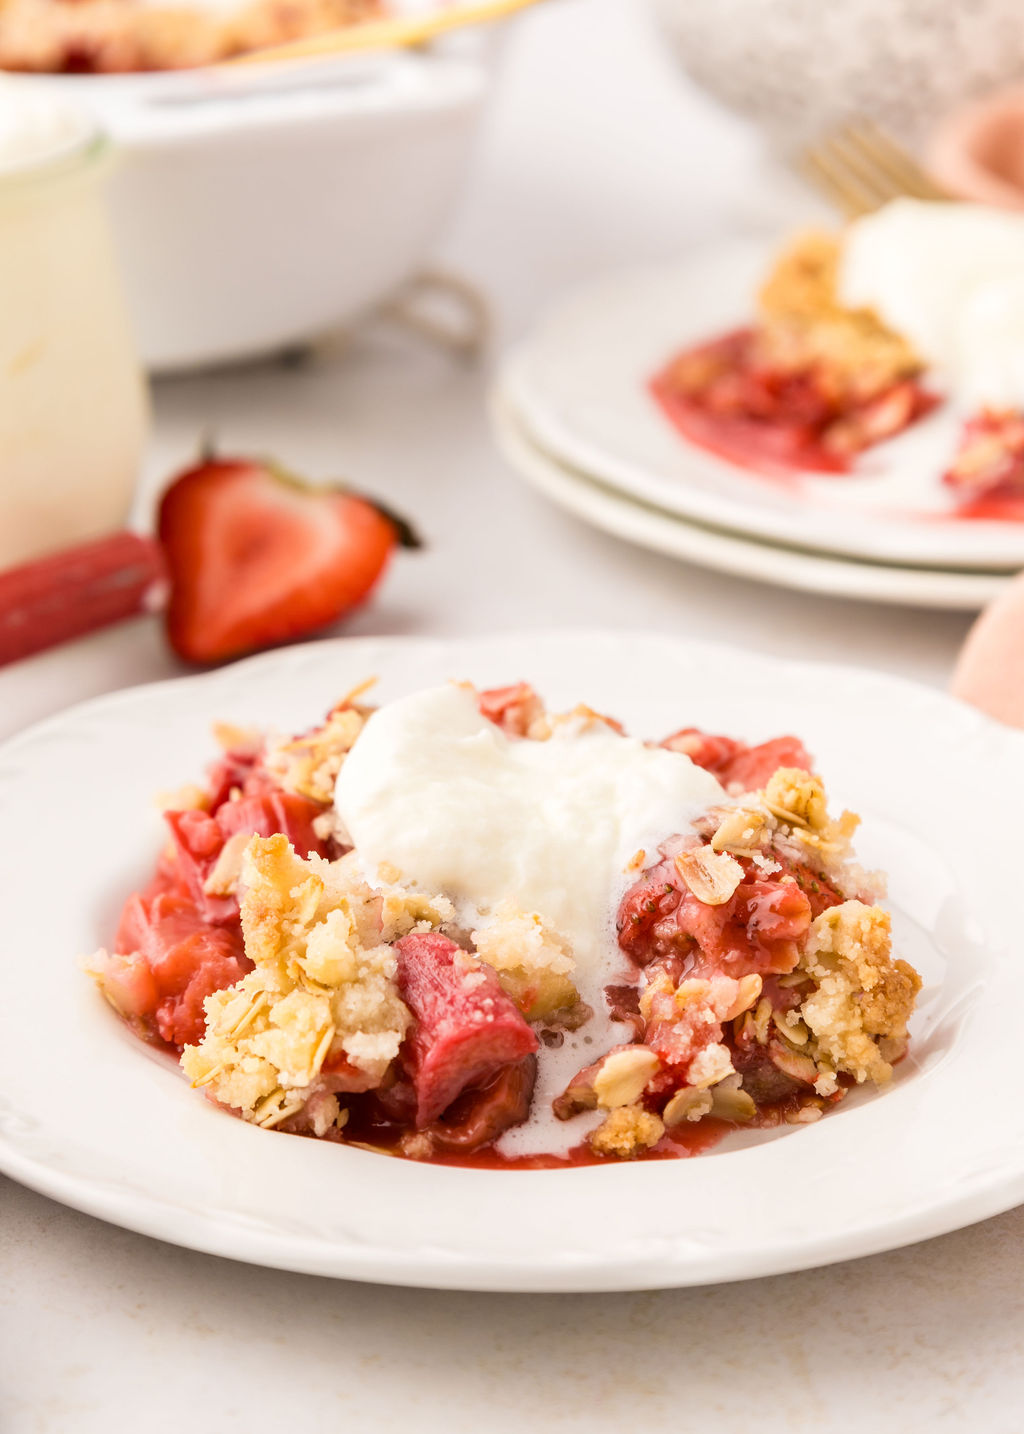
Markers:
point(73, 407)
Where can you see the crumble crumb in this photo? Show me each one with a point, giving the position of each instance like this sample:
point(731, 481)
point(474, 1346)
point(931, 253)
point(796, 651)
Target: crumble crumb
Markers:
point(710, 1065)
point(863, 996)
point(712, 876)
point(802, 325)
point(789, 818)
point(309, 765)
point(532, 963)
point(623, 1075)
point(187, 798)
point(626, 1131)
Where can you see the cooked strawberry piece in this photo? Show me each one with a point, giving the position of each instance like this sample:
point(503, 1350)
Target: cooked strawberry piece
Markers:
point(754, 767)
point(256, 557)
point(207, 961)
point(721, 399)
point(279, 811)
point(200, 839)
point(512, 709)
point(646, 920)
point(704, 749)
point(677, 1036)
point(167, 961)
point(465, 1028)
point(819, 891)
point(755, 930)
point(150, 924)
point(737, 766)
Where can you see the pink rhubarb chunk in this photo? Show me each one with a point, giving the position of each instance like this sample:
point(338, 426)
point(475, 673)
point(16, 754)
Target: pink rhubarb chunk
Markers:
point(465, 1028)
point(167, 961)
point(200, 838)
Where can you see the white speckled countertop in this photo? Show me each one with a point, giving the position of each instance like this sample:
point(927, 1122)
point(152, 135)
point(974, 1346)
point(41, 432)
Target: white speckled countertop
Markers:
point(595, 155)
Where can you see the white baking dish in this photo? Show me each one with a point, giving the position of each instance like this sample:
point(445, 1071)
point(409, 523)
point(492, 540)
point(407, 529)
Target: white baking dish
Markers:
point(255, 206)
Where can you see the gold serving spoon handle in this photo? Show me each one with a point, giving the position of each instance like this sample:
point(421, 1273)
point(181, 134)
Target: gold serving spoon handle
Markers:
point(400, 32)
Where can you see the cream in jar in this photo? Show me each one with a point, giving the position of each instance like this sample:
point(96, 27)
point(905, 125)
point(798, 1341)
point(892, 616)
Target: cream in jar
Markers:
point(73, 409)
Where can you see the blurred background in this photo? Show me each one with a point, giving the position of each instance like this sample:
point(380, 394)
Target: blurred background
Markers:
point(324, 261)
point(323, 257)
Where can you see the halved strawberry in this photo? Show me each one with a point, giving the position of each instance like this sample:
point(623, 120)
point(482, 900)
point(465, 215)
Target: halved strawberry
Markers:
point(257, 557)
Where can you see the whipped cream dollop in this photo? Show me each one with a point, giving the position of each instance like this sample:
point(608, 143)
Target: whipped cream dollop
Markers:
point(435, 789)
point(949, 277)
point(36, 124)
point(438, 791)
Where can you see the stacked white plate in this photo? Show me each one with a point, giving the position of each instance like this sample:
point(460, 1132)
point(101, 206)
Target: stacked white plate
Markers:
point(575, 417)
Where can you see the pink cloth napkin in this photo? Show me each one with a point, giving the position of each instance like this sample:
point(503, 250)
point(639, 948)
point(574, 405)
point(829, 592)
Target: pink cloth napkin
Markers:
point(990, 670)
point(978, 152)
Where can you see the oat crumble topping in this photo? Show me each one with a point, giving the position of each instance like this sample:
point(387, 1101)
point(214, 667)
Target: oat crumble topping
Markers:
point(323, 986)
point(803, 324)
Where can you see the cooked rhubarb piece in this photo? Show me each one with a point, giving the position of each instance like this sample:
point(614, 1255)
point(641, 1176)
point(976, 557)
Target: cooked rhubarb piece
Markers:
point(78, 590)
point(210, 848)
point(465, 1029)
point(479, 1116)
point(167, 961)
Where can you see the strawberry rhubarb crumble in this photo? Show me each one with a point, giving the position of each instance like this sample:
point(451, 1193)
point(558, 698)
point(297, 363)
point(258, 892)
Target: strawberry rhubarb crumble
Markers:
point(858, 337)
point(808, 386)
point(121, 36)
point(461, 928)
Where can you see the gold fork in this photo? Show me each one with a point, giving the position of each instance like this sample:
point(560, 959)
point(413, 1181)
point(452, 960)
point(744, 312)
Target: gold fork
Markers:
point(859, 168)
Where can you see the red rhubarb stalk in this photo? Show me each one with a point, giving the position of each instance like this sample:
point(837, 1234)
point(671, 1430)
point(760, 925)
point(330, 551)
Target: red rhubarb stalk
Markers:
point(78, 590)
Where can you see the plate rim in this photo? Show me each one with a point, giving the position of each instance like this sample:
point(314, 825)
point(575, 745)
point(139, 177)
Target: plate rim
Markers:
point(206, 1234)
point(552, 431)
point(647, 525)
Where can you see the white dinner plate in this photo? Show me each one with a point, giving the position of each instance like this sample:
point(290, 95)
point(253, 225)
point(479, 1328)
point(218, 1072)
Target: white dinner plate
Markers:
point(651, 527)
point(91, 1117)
point(580, 385)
